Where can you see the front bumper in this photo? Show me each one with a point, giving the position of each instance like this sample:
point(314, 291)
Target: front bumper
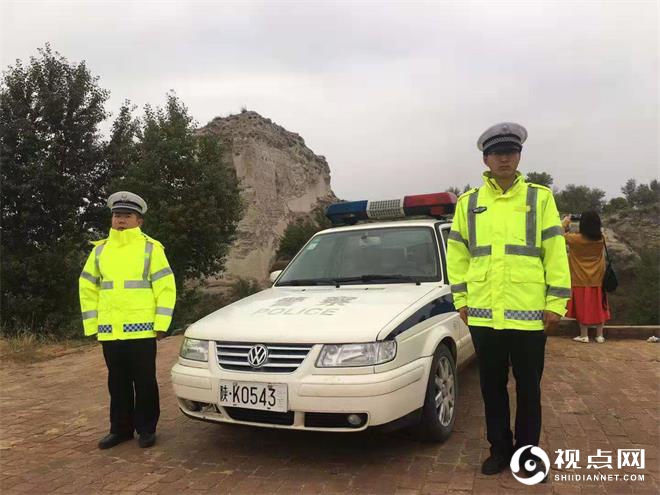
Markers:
point(317, 400)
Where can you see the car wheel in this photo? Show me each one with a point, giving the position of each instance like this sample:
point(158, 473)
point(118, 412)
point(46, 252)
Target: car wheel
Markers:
point(439, 411)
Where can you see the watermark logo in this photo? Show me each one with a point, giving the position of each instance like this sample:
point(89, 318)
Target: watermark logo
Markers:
point(530, 465)
point(568, 459)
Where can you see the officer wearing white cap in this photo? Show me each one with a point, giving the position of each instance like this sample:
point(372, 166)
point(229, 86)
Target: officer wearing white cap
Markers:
point(127, 297)
point(507, 263)
point(127, 202)
point(501, 138)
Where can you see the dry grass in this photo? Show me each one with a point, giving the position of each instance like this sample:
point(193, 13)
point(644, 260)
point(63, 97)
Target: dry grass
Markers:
point(26, 348)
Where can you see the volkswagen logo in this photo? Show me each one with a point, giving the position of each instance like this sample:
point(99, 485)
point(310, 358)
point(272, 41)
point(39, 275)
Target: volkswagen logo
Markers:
point(257, 356)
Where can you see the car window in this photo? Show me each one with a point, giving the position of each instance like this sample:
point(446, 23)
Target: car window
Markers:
point(383, 252)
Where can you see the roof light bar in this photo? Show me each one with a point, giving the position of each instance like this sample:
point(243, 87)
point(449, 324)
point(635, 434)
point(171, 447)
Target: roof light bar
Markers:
point(350, 212)
point(435, 205)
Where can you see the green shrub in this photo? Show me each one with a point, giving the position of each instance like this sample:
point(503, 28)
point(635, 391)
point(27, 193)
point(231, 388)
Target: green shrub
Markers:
point(244, 288)
point(295, 237)
point(643, 299)
point(637, 299)
point(299, 232)
point(195, 305)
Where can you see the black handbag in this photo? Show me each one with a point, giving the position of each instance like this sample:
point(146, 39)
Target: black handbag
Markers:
point(610, 282)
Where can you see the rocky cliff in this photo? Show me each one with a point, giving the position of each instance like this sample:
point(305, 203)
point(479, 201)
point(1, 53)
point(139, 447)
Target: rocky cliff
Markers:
point(281, 180)
point(631, 232)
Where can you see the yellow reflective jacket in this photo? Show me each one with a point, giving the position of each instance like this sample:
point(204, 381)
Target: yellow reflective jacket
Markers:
point(127, 288)
point(506, 256)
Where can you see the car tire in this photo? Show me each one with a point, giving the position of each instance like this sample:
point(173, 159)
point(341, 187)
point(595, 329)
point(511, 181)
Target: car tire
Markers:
point(439, 410)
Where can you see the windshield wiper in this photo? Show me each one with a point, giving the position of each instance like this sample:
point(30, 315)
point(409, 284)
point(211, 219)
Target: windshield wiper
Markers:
point(345, 280)
point(375, 277)
point(309, 281)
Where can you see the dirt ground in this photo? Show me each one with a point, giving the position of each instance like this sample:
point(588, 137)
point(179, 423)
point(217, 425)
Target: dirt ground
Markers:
point(52, 414)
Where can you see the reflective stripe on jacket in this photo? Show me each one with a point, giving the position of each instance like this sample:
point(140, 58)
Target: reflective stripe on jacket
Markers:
point(127, 288)
point(506, 256)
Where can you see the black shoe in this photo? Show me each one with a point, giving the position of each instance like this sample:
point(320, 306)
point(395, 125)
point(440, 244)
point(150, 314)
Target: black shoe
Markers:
point(496, 463)
point(112, 439)
point(147, 440)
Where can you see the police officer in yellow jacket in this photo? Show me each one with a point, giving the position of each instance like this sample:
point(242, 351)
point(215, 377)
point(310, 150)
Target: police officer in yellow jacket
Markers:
point(127, 296)
point(510, 279)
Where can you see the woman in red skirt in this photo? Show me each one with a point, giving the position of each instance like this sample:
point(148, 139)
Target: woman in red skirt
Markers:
point(588, 304)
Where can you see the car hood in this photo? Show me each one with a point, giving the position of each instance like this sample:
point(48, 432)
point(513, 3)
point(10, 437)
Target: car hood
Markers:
point(311, 315)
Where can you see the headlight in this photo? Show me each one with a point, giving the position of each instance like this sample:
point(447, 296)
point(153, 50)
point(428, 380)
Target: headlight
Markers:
point(197, 350)
point(356, 354)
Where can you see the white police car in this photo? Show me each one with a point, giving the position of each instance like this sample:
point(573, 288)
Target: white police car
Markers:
point(359, 330)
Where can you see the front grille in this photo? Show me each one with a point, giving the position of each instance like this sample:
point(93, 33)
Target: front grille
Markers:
point(256, 416)
point(282, 358)
point(331, 420)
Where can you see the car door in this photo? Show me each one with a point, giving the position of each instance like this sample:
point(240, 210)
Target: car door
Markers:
point(464, 341)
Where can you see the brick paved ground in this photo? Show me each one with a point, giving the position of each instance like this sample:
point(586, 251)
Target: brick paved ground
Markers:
point(53, 413)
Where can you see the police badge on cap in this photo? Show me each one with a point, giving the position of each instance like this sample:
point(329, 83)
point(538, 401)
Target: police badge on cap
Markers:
point(128, 202)
point(507, 136)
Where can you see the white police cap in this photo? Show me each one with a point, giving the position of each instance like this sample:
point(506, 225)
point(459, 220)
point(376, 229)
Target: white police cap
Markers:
point(505, 135)
point(127, 201)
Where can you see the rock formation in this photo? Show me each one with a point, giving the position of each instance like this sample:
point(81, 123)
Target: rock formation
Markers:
point(630, 232)
point(281, 180)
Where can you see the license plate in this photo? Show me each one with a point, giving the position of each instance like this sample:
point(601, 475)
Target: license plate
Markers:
point(251, 395)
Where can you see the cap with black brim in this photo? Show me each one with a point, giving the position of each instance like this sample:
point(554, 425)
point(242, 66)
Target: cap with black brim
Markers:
point(126, 207)
point(503, 148)
point(127, 202)
point(506, 136)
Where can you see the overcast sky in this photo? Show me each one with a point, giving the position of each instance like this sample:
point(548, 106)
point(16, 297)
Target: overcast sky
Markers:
point(393, 94)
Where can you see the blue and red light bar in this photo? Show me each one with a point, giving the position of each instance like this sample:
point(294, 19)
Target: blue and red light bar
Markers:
point(434, 205)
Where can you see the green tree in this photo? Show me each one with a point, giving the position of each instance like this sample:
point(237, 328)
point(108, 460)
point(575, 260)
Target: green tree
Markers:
point(299, 232)
point(122, 150)
point(295, 236)
point(641, 195)
point(615, 205)
point(654, 185)
point(540, 178)
point(628, 191)
point(52, 163)
point(576, 199)
point(194, 199)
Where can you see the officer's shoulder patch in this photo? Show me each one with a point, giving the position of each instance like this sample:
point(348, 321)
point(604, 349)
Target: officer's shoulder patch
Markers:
point(154, 241)
point(468, 193)
point(539, 186)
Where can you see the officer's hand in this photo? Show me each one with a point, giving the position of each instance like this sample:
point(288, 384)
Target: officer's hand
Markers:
point(462, 312)
point(550, 320)
point(161, 335)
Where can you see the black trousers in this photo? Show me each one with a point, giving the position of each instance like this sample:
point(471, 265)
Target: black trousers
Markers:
point(525, 350)
point(134, 401)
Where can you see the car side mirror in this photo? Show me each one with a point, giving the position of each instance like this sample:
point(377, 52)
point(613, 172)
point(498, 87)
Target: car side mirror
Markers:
point(274, 275)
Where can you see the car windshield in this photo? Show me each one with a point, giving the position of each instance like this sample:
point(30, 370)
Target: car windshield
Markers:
point(378, 255)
